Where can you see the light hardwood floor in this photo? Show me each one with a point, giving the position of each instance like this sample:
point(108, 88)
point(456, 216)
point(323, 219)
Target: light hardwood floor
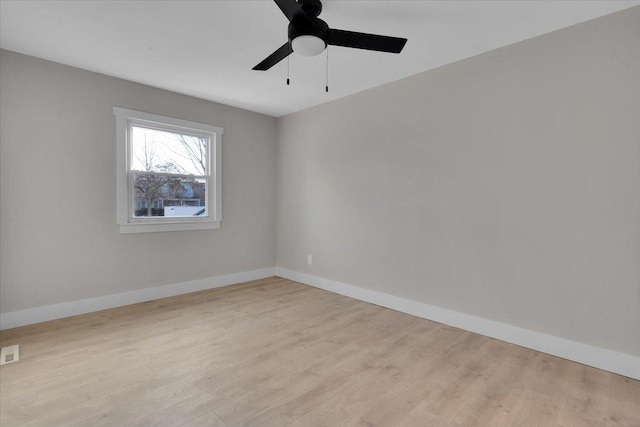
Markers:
point(277, 353)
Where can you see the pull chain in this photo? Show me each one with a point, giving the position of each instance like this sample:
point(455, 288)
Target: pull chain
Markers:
point(326, 88)
point(288, 56)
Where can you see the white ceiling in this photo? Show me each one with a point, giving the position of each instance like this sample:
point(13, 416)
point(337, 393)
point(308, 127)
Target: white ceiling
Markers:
point(207, 48)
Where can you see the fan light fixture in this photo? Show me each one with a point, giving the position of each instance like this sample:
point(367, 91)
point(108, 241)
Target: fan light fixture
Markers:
point(308, 45)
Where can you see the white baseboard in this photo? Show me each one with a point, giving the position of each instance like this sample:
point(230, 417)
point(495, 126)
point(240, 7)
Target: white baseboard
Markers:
point(609, 360)
point(57, 311)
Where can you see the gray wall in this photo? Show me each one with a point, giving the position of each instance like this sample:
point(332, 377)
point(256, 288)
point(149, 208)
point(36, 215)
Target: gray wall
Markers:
point(60, 241)
point(505, 186)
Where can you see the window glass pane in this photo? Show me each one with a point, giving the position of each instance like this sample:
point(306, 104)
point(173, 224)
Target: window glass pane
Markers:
point(167, 195)
point(167, 152)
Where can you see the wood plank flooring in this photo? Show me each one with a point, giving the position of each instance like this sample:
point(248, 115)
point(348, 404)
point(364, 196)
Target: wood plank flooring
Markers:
point(274, 352)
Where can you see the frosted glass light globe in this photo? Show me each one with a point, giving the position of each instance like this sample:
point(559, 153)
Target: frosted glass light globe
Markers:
point(308, 45)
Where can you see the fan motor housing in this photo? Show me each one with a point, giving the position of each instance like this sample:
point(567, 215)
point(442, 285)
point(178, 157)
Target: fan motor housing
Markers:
point(308, 27)
point(307, 23)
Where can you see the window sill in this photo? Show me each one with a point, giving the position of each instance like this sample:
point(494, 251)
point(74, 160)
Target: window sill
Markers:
point(163, 226)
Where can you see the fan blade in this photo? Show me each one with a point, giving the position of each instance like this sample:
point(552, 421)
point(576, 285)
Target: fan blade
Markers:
point(365, 41)
point(277, 56)
point(288, 7)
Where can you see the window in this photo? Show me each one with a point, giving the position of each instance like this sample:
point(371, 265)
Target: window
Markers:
point(168, 173)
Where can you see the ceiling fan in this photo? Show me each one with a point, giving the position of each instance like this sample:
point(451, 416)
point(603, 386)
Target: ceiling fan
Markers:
point(310, 35)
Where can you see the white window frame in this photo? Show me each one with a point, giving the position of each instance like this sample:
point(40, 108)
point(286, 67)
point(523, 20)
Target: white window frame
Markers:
point(125, 118)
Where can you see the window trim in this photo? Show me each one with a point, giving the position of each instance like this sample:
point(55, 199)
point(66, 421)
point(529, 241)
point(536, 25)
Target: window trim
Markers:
point(124, 199)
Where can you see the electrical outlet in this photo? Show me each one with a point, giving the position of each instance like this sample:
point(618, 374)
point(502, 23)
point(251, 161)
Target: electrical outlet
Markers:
point(309, 259)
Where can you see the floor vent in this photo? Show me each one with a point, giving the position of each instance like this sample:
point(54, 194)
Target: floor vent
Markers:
point(9, 354)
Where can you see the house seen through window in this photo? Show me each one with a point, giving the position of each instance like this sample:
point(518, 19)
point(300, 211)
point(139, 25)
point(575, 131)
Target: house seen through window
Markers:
point(169, 173)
